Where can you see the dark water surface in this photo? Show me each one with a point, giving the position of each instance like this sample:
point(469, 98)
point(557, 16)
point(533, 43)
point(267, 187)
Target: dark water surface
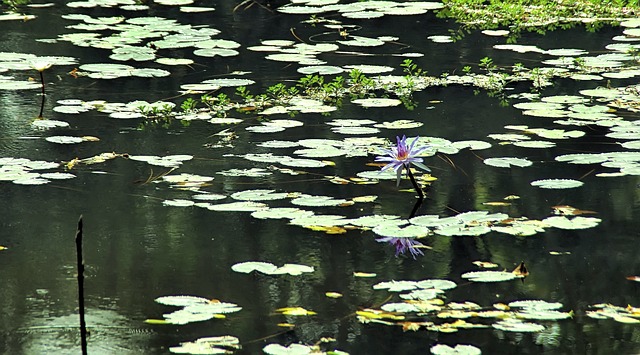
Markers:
point(136, 249)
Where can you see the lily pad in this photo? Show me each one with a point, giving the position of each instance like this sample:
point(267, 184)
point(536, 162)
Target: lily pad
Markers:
point(577, 222)
point(489, 276)
point(459, 349)
point(557, 183)
point(514, 325)
point(508, 162)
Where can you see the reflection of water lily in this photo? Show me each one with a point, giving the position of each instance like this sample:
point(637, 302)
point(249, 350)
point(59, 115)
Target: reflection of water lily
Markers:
point(404, 244)
point(402, 156)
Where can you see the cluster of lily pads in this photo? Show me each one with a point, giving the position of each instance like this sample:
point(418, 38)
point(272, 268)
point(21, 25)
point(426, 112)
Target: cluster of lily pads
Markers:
point(194, 309)
point(23, 171)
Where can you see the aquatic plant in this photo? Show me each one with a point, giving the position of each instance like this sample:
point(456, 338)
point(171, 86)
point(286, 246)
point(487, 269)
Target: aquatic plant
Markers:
point(41, 64)
point(13, 5)
point(403, 244)
point(402, 156)
point(537, 17)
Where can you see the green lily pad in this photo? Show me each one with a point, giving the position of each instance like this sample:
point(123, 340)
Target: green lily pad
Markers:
point(557, 183)
point(577, 222)
point(508, 162)
point(270, 269)
point(292, 349)
point(259, 195)
point(489, 276)
point(209, 345)
point(459, 349)
point(514, 325)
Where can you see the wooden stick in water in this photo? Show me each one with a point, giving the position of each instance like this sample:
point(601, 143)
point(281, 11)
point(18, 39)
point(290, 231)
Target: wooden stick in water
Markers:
point(80, 261)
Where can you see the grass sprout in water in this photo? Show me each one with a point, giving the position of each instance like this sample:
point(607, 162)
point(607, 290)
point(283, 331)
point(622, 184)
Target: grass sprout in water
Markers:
point(402, 156)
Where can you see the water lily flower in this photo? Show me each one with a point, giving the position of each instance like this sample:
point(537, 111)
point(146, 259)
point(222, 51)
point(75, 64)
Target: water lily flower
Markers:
point(40, 64)
point(402, 156)
point(404, 244)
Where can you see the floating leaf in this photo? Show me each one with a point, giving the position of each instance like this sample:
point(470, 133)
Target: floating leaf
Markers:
point(485, 264)
point(64, 139)
point(489, 276)
point(514, 325)
point(543, 315)
point(396, 231)
point(399, 307)
point(293, 269)
point(377, 102)
point(209, 345)
point(441, 349)
point(579, 222)
point(292, 349)
point(557, 183)
point(507, 162)
point(245, 206)
point(270, 269)
point(259, 195)
point(156, 321)
point(178, 203)
point(181, 301)
point(317, 201)
point(281, 213)
point(396, 286)
point(249, 266)
point(521, 270)
point(364, 274)
point(295, 311)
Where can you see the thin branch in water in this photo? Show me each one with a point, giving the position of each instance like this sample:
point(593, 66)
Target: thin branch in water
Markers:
point(452, 209)
point(80, 262)
point(293, 32)
point(586, 174)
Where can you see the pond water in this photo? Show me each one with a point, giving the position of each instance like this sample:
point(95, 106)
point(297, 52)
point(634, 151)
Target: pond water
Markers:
point(139, 247)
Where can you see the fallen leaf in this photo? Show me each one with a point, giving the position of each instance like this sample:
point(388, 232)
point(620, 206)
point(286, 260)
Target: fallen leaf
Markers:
point(521, 270)
point(364, 274)
point(157, 321)
point(497, 203)
point(485, 264)
point(565, 210)
point(413, 326)
point(286, 325)
point(295, 311)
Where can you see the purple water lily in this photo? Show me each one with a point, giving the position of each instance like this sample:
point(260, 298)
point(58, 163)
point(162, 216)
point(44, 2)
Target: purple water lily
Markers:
point(404, 244)
point(402, 156)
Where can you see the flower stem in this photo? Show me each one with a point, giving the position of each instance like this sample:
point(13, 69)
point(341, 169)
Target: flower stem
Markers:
point(42, 104)
point(415, 184)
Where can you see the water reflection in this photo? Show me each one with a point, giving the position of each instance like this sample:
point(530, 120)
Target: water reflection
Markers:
point(48, 331)
point(136, 249)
